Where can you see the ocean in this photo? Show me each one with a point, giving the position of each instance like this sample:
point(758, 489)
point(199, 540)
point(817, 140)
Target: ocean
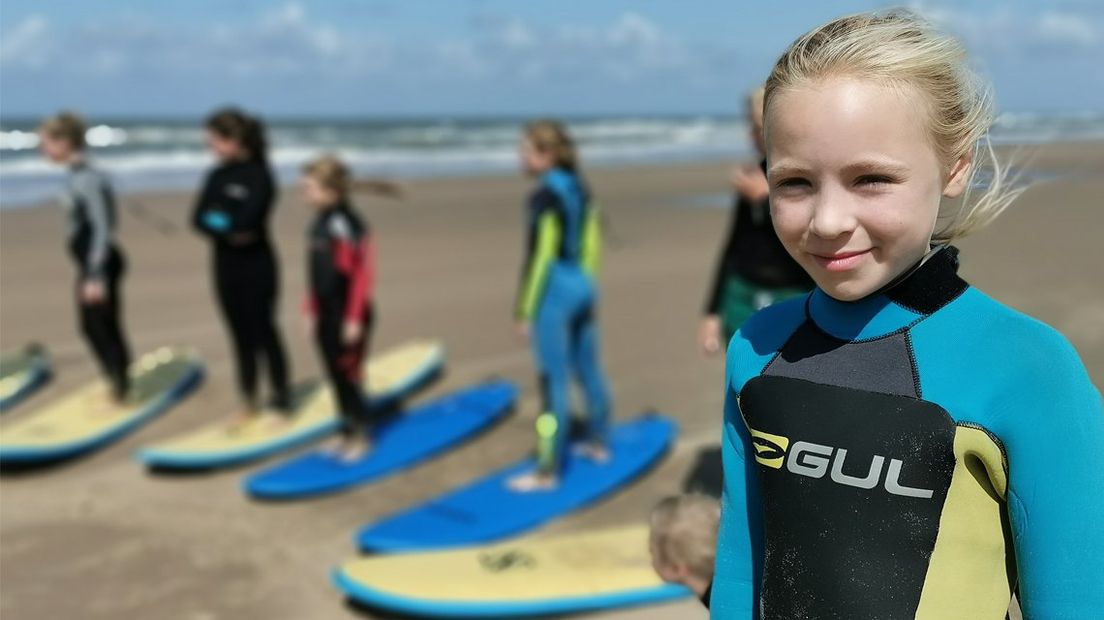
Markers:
point(169, 154)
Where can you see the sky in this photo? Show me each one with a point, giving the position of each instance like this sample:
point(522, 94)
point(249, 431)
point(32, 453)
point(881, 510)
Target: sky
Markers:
point(487, 57)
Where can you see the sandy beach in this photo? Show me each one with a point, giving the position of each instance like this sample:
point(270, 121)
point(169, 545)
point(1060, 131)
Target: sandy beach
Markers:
point(99, 537)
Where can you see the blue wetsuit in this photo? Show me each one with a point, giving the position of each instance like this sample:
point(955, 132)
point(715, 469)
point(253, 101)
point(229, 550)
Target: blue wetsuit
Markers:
point(558, 295)
point(916, 454)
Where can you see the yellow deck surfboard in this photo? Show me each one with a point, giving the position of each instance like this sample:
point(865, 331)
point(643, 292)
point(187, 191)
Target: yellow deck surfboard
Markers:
point(21, 373)
point(528, 576)
point(81, 421)
point(390, 375)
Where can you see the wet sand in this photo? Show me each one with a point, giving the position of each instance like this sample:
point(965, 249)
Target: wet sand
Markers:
point(99, 537)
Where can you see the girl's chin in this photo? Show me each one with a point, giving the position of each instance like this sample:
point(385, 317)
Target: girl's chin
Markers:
point(849, 289)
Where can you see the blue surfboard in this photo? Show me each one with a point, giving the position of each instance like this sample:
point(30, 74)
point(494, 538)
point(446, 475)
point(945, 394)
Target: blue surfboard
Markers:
point(488, 510)
point(399, 442)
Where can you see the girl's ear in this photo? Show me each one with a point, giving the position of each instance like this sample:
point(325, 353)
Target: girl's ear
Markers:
point(959, 177)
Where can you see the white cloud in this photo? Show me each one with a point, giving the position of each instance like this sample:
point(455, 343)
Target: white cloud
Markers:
point(1008, 31)
point(27, 44)
point(1066, 28)
point(628, 48)
point(287, 42)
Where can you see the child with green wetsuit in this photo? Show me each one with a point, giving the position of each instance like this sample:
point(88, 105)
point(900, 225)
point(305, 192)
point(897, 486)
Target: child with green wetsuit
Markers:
point(557, 301)
point(754, 270)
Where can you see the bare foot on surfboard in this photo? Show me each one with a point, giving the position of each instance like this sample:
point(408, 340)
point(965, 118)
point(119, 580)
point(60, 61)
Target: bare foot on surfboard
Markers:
point(334, 445)
point(532, 481)
point(241, 419)
point(355, 449)
point(275, 422)
point(104, 404)
point(593, 451)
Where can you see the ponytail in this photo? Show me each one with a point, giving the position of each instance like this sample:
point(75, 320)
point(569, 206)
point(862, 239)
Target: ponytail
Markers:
point(247, 130)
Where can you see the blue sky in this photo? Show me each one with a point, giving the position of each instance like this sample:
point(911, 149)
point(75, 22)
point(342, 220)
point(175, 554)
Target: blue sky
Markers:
point(472, 57)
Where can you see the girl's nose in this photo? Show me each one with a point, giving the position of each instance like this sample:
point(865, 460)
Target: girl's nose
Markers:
point(833, 215)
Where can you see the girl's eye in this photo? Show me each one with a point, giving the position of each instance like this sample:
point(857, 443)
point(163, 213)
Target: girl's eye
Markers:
point(793, 182)
point(873, 180)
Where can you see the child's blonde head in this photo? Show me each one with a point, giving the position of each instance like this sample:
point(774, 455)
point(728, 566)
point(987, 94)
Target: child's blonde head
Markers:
point(65, 126)
point(901, 50)
point(552, 138)
point(329, 172)
point(684, 533)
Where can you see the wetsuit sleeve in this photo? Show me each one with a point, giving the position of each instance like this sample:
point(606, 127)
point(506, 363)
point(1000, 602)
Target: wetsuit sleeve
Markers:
point(207, 216)
point(356, 258)
point(590, 250)
point(544, 242)
point(739, 555)
point(725, 262)
point(1053, 431)
point(353, 256)
point(739, 564)
point(90, 188)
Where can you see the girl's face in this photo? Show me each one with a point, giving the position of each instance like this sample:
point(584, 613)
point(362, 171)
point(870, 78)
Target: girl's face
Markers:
point(57, 150)
point(316, 194)
point(855, 184)
point(225, 149)
point(534, 161)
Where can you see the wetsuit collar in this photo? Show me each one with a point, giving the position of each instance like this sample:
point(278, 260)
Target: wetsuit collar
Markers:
point(558, 176)
point(920, 291)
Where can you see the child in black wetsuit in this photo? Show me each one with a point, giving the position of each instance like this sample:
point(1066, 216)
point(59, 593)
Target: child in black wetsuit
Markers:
point(232, 211)
point(90, 203)
point(339, 308)
point(754, 270)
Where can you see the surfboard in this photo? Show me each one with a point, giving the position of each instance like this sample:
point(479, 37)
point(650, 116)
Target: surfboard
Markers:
point(398, 443)
point(81, 422)
point(488, 510)
point(390, 376)
point(22, 372)
point(529, 576)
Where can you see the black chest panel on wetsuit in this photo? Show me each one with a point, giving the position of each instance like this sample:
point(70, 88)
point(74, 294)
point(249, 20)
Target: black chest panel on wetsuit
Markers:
point(854, 470)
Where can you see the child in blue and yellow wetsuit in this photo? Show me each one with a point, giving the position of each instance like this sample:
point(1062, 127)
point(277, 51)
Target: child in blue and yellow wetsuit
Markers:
point(558, 299)
point(897, 444)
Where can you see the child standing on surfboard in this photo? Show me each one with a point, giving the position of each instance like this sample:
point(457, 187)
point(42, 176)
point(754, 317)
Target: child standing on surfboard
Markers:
point(340, 306)
point(90, 204)
point(232, 211)
point(557, 302)
point(897, 444)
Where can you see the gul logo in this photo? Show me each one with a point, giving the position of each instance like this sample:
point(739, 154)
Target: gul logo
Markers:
point(815, 460)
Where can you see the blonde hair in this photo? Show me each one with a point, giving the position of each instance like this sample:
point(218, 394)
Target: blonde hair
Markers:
point(66, 126)
point(551, 137)
point(899, 49)
point(330, 172)
point(684, 531)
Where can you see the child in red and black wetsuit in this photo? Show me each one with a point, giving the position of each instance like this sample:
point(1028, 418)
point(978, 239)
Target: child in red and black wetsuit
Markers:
point(341, 263)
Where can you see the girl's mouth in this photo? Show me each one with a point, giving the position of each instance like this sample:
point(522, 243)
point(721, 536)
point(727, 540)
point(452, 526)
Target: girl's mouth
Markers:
point(840, 261)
